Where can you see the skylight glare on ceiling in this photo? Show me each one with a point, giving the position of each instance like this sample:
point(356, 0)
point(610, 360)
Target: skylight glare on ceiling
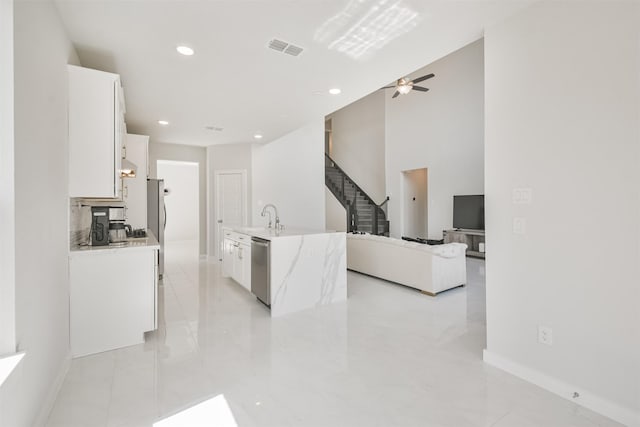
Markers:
point(366, 25)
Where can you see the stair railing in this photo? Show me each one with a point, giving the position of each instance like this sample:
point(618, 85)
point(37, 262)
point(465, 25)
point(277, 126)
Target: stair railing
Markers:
point(352, 213)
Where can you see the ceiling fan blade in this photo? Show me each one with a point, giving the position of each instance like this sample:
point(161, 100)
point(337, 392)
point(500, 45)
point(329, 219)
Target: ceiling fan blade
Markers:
point(388, 87)
point(423, 78)
point(420, 88)
point(395, 94)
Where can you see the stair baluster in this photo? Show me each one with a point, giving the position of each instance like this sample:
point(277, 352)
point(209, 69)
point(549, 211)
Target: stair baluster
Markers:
point(363, 214)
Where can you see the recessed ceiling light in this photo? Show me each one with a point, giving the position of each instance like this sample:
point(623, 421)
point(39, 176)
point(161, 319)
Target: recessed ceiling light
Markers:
point(335, 91)
point(257, 136)
point(185, 50)
point(163, 122)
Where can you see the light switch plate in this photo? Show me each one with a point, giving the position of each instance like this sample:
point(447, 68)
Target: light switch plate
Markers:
point(519, 226)
point(522, 196)
point(545, 335)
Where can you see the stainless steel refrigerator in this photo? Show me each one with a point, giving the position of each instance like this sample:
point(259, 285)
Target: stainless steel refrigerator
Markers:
point(157, 216)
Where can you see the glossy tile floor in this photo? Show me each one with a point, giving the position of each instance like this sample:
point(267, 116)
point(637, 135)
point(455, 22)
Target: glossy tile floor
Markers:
point(390, 356)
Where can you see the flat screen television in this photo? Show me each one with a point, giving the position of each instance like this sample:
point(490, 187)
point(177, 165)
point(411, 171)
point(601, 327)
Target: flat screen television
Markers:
point(468, 212)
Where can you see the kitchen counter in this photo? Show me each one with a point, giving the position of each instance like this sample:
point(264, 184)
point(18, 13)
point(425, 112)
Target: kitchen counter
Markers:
point(308, 268)
point(149, 242)
point(271, 233)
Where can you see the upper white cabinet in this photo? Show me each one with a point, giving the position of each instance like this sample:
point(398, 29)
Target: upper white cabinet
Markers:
point(96, 133)
point(135, 189)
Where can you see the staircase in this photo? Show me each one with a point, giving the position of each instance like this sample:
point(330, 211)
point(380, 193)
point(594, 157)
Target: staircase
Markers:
point(363, 214)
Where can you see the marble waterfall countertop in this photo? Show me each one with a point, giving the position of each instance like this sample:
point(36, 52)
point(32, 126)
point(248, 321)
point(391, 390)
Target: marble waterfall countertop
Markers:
point(138, 243)
point(272, 233)
point(308, 267)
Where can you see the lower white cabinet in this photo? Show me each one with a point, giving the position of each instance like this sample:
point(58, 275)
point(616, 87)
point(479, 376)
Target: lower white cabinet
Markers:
point(246, 265)
point(236, 258)
point(227, 257)
point(113, 298)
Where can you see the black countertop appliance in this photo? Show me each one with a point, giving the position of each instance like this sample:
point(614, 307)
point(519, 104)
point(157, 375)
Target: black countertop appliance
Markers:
point(99, 225)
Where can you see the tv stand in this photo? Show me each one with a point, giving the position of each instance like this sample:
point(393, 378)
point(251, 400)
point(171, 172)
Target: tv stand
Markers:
point(472, 238)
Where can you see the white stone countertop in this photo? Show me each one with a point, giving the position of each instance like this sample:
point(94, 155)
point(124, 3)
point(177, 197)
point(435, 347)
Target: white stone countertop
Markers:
point(271, 233)
point(139, 243)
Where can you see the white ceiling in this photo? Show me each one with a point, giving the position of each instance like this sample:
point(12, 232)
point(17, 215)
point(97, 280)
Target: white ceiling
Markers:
point(234, 81)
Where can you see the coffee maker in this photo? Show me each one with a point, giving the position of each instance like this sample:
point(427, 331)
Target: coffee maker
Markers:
point(99, 225)
point(118, 230)
point(108, 227)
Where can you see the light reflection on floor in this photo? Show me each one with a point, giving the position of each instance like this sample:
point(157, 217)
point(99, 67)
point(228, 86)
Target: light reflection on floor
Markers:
point(390, 356)
point(211, 412)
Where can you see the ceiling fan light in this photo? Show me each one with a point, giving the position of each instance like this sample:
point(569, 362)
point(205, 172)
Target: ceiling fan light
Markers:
point(404, 89)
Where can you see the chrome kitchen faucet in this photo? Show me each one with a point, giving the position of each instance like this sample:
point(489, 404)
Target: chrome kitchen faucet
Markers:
point(275, 210)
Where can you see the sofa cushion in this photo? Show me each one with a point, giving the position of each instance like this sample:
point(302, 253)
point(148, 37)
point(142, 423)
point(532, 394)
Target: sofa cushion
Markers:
point(447, 250)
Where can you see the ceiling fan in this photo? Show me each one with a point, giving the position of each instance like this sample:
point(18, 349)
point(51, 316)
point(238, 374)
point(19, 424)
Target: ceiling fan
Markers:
point(404, 85)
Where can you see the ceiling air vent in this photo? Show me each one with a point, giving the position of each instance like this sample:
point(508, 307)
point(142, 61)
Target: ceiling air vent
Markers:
point(278, 45)
point(284, 47)
point(293, 50)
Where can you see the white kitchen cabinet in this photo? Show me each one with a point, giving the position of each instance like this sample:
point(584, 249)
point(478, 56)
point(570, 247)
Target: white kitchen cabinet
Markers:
point(96, 133)
point(236, 258)
point(113, 298)
point(238, 272)
point(135, 189)
point(227, 257)
point(246, 265)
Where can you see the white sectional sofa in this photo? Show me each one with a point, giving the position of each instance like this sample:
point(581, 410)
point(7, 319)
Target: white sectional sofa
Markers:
point(431, 269)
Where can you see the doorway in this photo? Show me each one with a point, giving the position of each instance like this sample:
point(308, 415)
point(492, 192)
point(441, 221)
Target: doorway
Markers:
point(181, 183)
point(415, 207)
point(230, 203)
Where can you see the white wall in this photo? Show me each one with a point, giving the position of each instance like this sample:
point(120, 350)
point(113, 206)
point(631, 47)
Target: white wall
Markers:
point(441, 130)
point(181, 179)
point(185, 153)
point(563, 118)
point(225, 157)
point(336, 214)
point(7, 214)
point(358, 139)
point(42, 51)
point(289, 172)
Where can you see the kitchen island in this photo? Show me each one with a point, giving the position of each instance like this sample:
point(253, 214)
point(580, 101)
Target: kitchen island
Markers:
point(307, 268)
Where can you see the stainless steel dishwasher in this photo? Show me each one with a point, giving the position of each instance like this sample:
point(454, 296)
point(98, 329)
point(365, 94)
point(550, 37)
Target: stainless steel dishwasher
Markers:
point(261, 270)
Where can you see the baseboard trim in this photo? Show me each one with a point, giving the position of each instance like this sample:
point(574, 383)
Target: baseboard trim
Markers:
point(587, 399)
point(50, 400)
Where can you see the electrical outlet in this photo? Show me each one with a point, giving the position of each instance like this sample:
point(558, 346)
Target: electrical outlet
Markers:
point(521, 196)
point(519, 226)
point(545, 335)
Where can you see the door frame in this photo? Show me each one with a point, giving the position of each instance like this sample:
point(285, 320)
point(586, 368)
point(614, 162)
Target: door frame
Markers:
point(217, 226)
point(404, 176)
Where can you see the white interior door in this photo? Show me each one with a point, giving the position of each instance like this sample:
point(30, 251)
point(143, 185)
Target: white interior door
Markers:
point(230, 203)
